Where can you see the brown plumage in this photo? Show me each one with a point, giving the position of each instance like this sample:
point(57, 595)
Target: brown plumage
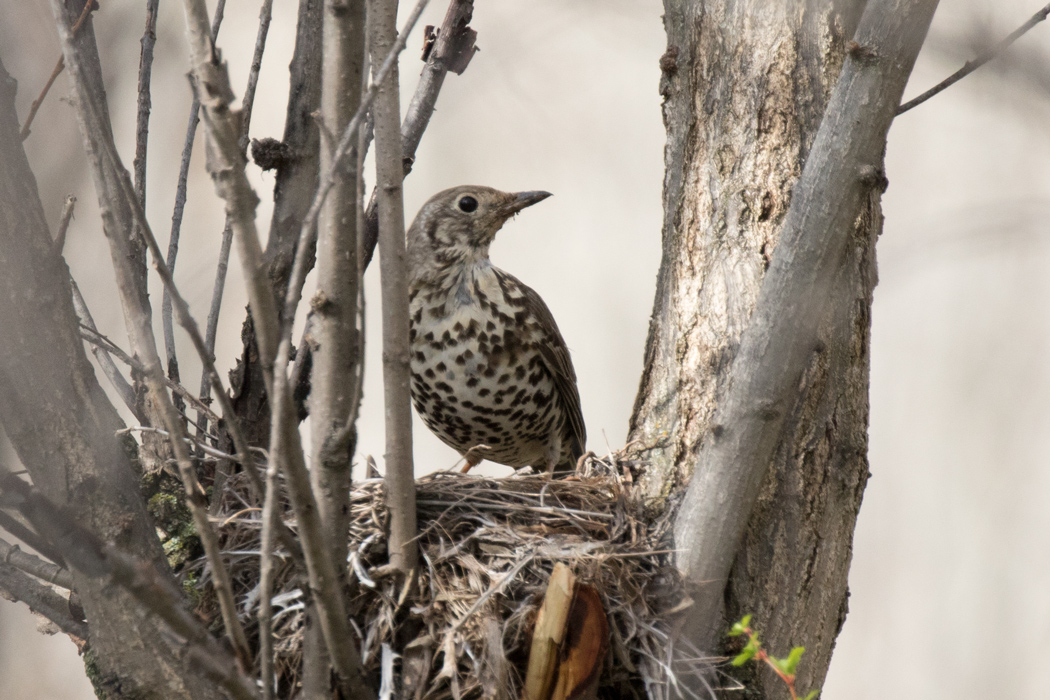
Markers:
point(491, 374)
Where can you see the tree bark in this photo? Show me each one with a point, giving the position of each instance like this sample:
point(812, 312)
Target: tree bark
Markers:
point(746, 85)
point(63, 428)
point(400, 478)
point(335, 361)
point(295, 182)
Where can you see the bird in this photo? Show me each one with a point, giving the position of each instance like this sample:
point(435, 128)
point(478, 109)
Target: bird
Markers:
point(491, 374)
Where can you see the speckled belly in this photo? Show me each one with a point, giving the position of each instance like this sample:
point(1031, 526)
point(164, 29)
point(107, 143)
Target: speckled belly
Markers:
point(477, 380)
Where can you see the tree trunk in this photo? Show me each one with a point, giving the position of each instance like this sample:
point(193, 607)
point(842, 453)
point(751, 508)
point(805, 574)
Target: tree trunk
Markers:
point(745, 87)
point(63, 427)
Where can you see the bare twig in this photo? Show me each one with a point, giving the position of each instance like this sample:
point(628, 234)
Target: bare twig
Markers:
point(248, 101)
point(40, 598)
point(212, 326)
point(400, 479)
point(102, 354)
point(94, 558)
point(97, 340)
point(842, 180)
point(35, 566)
point(114, 185)
point(59, 67)
point(308, 233)
point(450, 49)
point(149, 38)
point(266, 578)
point(971, 66)
point(176, 215)
point(63, 223)
point(228, 173)
point(35, 107)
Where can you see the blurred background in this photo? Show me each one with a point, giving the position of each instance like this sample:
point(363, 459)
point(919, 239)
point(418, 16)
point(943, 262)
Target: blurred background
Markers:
point(952, 551)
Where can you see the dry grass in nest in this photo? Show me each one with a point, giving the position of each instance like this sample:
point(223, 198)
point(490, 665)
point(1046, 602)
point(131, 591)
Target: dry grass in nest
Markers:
point(488, 547)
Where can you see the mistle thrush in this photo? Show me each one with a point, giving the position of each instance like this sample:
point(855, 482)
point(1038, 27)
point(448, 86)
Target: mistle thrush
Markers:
point(491, 375)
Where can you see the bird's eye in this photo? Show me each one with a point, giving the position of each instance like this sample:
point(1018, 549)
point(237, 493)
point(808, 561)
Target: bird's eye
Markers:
point(468, 204)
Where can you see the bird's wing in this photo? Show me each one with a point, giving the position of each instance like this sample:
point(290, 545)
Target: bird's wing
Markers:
point(556, 357)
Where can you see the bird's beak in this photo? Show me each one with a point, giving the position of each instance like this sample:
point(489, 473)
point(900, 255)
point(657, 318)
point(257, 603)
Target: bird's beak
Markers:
point(520, 200)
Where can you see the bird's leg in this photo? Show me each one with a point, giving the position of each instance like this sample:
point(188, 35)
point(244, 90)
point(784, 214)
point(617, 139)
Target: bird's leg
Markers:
point(553, 454)
point(472, 457)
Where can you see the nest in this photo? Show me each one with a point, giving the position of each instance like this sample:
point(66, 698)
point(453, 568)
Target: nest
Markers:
point(488, 546)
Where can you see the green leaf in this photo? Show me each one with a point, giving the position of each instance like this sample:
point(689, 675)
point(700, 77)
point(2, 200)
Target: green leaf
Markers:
point(791, 662)
point(779, 664)
point(743, 657)
point(739, 628)
point(748, 652)
point(812, 695)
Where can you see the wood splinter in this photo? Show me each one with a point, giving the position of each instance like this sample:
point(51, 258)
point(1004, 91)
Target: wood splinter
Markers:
point(569, 642)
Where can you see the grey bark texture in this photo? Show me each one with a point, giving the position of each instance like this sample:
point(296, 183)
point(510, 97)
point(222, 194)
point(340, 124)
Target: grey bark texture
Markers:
point(48, 388)
point(769, 407)
point(393, 266)
point(334, 305)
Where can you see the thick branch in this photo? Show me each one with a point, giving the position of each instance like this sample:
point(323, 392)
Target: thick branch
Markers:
point(400, 479)
point(334, 326)
point(841, 177)
point(41, 599)
point(30, 564)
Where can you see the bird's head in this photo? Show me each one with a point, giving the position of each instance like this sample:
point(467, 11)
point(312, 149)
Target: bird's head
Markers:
point(457, 225)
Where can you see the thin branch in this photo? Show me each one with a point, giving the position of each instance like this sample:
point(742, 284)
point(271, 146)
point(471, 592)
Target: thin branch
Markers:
point(308, 232)
point(270, 516)
point(114, 186)
point(971, 66)
point(341, 439)
point(124, 390)
point(40, 598)
point(47, 571)
point(223, 264)
point(451, 48)
point(35, 107)
point(400, 479)
point(149, 39)
point(180, 206)
point(59, 67)
point(94, 558)
point(227, 168)
point(247, 103)
point(97, 340)
point(63, 223)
